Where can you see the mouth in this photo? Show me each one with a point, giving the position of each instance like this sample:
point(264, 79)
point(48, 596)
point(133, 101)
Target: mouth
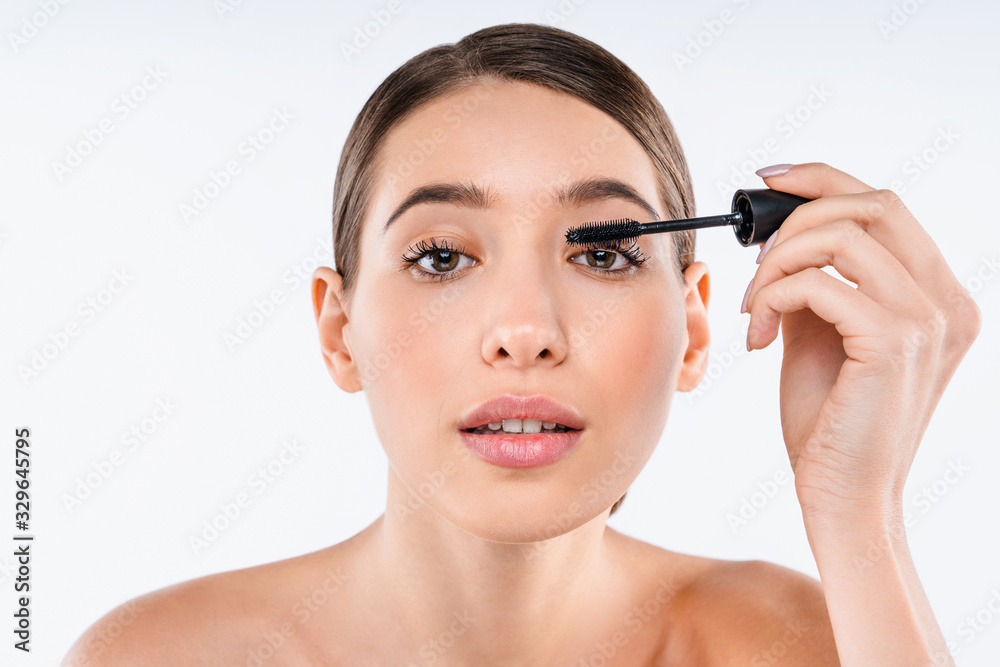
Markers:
point(519, 426)
point(516, 413)
point(518, 431)
point(524, 449)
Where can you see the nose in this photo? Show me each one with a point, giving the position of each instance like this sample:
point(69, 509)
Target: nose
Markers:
point(524, 328)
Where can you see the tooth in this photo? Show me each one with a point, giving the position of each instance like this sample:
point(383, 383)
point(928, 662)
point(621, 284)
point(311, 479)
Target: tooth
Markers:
point(512, 425)
point(532, 425)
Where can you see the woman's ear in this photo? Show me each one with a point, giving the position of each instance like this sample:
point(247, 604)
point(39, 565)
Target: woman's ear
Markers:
point(331, 318)
point(696, 304)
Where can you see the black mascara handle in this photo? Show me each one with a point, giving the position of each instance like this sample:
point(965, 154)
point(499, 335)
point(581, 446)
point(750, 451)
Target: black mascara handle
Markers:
point(762, 211)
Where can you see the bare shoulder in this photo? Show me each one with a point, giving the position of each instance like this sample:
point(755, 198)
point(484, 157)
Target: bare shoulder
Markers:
point(720, 612)
point(171, 625)
point(217, 619)
point(753, 612)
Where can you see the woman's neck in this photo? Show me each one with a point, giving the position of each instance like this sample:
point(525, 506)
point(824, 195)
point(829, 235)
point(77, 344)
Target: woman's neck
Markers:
point(486, 602)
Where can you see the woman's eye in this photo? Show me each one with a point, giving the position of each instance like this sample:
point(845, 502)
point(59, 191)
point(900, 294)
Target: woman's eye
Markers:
point(434, 260)
point(443, 261)
point(612, 261)
point(440, 261)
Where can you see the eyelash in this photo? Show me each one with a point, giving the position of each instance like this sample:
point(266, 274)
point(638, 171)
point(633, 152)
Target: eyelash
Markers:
point(632, 254)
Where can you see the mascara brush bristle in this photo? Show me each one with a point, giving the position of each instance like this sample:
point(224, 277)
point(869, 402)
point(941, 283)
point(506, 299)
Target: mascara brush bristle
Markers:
point(609, 232)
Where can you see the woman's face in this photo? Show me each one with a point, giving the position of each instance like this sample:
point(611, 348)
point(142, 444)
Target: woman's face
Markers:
point(519, 310)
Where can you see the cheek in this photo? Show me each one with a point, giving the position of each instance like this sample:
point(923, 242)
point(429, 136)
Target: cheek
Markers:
point(410, 360)
point(654, 334)
point(637, 356)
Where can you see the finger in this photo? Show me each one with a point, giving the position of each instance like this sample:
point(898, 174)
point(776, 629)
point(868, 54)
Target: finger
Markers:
point(889, 222)
point(816, 179)
point(844, 245)
point(848, 310)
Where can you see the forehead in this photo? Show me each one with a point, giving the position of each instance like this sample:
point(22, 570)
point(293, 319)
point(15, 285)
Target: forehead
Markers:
point(521, 140)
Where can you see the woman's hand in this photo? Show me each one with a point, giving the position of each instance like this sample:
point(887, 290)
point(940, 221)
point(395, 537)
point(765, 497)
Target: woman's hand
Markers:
point(863, 368)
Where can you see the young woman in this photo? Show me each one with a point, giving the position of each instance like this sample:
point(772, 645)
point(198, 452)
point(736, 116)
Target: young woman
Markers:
point(461, 312)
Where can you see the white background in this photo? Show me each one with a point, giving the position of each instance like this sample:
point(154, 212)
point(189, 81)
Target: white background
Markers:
point(888, 95)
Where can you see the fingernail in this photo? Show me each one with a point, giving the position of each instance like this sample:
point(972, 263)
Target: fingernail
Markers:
point(743, 307)
point(767, 246)
point(774, 170)
point(748, 340)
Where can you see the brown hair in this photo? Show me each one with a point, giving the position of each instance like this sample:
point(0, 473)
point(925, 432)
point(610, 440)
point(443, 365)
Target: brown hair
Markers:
point(522, 52)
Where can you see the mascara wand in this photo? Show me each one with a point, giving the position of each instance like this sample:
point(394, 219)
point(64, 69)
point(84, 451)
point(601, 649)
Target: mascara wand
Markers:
point(756, 215)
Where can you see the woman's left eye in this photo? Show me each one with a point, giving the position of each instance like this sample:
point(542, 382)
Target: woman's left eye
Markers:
point(606, 260)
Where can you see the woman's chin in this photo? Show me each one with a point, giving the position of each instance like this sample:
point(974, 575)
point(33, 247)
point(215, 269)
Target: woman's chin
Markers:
point(522, 521)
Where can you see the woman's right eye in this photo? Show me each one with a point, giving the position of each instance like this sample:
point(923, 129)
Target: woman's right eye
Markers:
point(437, 262)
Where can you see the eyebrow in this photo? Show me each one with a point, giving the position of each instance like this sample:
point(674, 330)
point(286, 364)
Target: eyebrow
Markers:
point(470, 195)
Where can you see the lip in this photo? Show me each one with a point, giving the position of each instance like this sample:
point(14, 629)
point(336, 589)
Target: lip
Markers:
point(517, 406)
point(521, 450)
